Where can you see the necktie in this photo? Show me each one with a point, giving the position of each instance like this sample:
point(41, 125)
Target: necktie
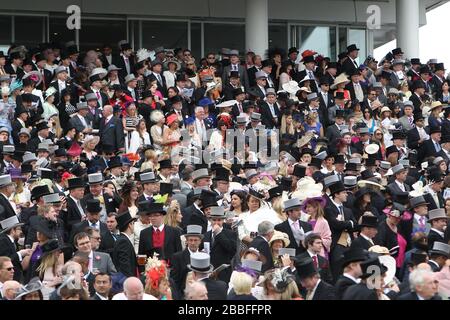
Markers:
point(94, 225)
point(98, 95)
point(422, 222)
point(438, 147)
point(127, 65)
point(159, 78)
point(240, 107)
point(316, 263)
point(411, 121)
point(341, 211)
point(114, 236)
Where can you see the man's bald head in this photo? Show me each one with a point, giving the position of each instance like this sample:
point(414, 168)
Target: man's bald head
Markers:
point(424, 266)
point(107, 110)
point(10, 289)
point(133, 289)
point(196, 291)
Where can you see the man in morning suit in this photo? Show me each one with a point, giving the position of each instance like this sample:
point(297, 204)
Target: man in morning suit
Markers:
point(261, 243)
point(124, 256)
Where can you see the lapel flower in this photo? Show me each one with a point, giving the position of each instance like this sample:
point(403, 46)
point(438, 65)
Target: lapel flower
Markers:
point(97, 257)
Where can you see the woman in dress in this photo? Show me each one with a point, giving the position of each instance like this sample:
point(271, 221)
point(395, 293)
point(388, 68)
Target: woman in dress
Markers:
point(404, 90)
point(157, 130)
point(217, 140)
point(378, 137)
point(387, 124)
point(171, 136)
point(171, 67)
point(434, 119)
point(287, 124)
point(49, 107)
point(130, 195)
point(443, 95)
point(173, 218)
point(130, 122)
point(50, 266)
point(312, 124)
point(140, 137)
point(285, 74)
point(339, 86)
point(313, 213)
point(89, 144)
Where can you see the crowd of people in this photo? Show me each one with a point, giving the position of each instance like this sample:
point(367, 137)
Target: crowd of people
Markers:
point(153, 175)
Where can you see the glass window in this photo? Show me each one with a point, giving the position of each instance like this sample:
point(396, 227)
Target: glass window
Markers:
point(168, 34)
point(111, 31)
point(342, 39)
point(28, 30)
point(196, 41)
point(215, 38)
point(59, 32)
point(358, 37)
point(278, 36)
point(5, 31)
point(320, 39)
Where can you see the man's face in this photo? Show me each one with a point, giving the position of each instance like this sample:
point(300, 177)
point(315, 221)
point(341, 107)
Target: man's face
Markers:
point(77, 193)
point(93, 217)
point(222, 186)
point(342, 196)
point(293, 56)
point(439, 224)
point(354, 54)
point(111, 223)
point(135, 293)
point(408, 111)
point(7, 272)
point(294, 214)
point(203, 182)
point(193, 243)
point(364, 137)
point(429, 288)
point(84, 245)
point(156, 219)
point(371, 232)
point(271, 99)
point(309, 283)
point(421, 210)
point(402, 176)
point(95, 240)
point(102, 285)
point(95, 189)
point(234, 59)
point(316, 246)
point(107, 51)
point(200, 294)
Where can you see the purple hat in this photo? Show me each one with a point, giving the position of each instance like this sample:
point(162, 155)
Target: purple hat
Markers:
point(321, 200)
point(16, 173)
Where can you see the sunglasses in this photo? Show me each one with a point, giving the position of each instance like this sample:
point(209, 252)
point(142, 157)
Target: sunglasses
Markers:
point(9, 269)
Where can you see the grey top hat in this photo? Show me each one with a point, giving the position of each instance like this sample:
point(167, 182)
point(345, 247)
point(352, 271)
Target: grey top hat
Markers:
point(200, 173)
point(311, 96)
point(217, 212)
point(438, 160)
point(404, 162)
point(234, 52)
point(355, 160)
point(437, 214)
point(441, 248)
point(51, 198)
point(5, 180)
point(271, 91)
point(194, 230)
point(90, 96)
point(82, 106)
point(129, 78)
point(29, 157)
point(322, 155)
point(9, 223)
point(60, 69)
point(330, 180)
point(364, 130)
point(260, 75)
point(408, 104)
point(24, 131)
point(417, 201)
point(251, 173)
point(385, 165)
point(147, 177)
point(95, 178)
point(241, 120)
point(350, 181)
point(398, 168)
point(252, 264)
point(43, 146)
point(255, 116)
point(377, 85)
point(200, 262)
point(292, 204)
point(9, 148)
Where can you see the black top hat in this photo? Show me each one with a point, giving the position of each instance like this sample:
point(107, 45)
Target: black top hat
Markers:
point(292, 50)
point(415, 61)
point(367, 174)
point(316, 162)
point(418, 84)
point(275, 192)
point(324, 80)
point(286, 183)
point(125, 46)
point(124, 219)
point(165, 188)
point(75, 183)
point(439, 66)
point(418, 256)
point(332, 65)
point(46, 227)
point(39, 191)
point(222, 174)
point(60, 152)
point(339, 95)
point(351, 167)
point(237, 92)
point(368, 266)
point(93, 206)
point(339, 159)
point(435, 175)
point(234, 74)
point(41, 126)
point(386, 75)
point(72, 50)
point(114, 162)
point(305, 268)
point(354, 254)
point(371, 161)
point(165, 164)
point(435, 129)
point(148, 207)
point(369, 221)
point(398, 135)
point(336, 187)
point(397, 51)
point(352, 47)
point(308, 59)
point(266, 63)
point(424, 69)
point(299, 171)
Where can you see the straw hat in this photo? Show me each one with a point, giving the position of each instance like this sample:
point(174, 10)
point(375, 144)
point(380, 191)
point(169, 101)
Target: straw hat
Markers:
point(277, 235)
point(291, 87)
point(342, 78)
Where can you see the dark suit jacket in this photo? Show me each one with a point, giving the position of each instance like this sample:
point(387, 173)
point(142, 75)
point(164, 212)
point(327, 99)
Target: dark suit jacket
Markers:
point(243, 76)
point(360, 291)
point(267, 117)
point(179, 269)
point(10, 70)
point(342, 285)
point(324, 291)
point(73, 215)
point(108, 242)
point(348, 66)
point(336, 226)
point(8, 249)
point(333, 133)
point(8, 210)
point(162, 87)
point(217, 290)
point(48, 76)
point(427, 150)
point(433, 236)
point(111, 134)
point(286, 228)
point(187, 214)
point(119, 62)
point(413, 296)
point(396, 191)
point(262, 245)
point(76, 122)
point(386, 237)
point(362, 243)
point(351, 89)
point(431, 203)
point(416, 101)
point(324, 266)
point(222, 250)
point(124, 257)
point(172, 243)
point(198, 218)
point(252, 76)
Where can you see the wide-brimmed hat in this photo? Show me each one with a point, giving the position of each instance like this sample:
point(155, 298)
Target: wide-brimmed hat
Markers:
point(291, 87)
point(194, 231)
point(278, 235)
point(123, 219)
point(33, 285)
point(165, 164)
point(46, 227)
point(166, 64)
point(50, 246)
point(342, 78)
point(200, 262)
point(9, 223)
point(275, 192)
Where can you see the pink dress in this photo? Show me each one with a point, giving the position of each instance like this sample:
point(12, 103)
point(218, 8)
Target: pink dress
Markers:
point(402, 249)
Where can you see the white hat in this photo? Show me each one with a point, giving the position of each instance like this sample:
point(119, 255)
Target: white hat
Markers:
point(372, 148)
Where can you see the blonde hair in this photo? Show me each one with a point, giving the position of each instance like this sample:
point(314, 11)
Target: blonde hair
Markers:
point(277, 206)
point(284, 127)
point(48, 261)
point(242, 283)
point(171, 216)
point(291, 292)
point(42, 210)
